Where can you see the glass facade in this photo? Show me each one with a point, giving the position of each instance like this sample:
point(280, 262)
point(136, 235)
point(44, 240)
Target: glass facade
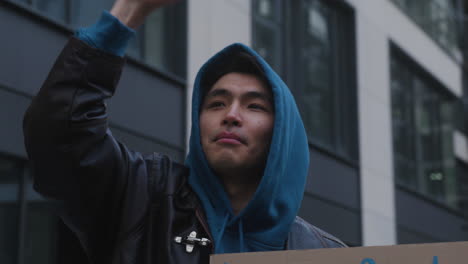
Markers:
point(462, 106)
point(160, 42)
point(423, 120)
point(317, 73)
point(437, 18)
point(40, 230)
point(310, 43)
point(53, 8)
point(268, 31)
point(28, 226)
point(9, 210)
point(462, 180)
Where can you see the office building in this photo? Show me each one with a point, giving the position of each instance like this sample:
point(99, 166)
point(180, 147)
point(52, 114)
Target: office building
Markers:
point(381, 86)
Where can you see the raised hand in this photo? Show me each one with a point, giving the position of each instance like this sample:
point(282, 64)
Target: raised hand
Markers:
point(134, 12)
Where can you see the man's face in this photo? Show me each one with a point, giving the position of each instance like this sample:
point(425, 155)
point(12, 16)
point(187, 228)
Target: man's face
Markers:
point(236, 123)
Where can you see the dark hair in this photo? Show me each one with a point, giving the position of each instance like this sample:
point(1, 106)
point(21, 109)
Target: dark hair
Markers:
point(241, 62)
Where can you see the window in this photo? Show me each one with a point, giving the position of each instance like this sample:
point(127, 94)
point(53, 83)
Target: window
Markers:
point(462, 179)
point(316, 73)
point(165, 38)
point(462, 106)
point(53, 8)
point(311, 45)
point(40, 226)
point(9, 210)
point(423, 120)
point(160, 42)
point(27, 225)
point(267, 31)
point(437, 18)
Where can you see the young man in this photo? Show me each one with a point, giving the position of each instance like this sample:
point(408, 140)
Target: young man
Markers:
point(242, 182)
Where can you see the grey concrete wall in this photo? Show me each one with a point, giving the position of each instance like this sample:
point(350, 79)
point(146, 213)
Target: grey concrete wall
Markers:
point(421, 220)
point(331, 200)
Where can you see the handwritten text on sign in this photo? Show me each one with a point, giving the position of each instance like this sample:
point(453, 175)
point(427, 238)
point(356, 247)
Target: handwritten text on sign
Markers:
point(435, 260)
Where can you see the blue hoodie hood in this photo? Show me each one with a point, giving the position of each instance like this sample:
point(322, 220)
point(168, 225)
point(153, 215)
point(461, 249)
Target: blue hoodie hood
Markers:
point(263, 225)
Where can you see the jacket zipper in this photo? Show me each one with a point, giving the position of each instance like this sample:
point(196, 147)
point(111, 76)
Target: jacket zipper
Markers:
point(205, 226)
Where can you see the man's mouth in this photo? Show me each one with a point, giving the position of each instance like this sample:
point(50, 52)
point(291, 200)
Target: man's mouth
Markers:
point(228, 138)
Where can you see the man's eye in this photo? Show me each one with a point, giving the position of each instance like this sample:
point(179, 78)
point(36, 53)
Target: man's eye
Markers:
point(257, 106)
point(215, 104)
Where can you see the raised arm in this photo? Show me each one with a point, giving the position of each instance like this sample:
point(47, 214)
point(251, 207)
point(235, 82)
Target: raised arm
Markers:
point(74, 157)
point(133, 13)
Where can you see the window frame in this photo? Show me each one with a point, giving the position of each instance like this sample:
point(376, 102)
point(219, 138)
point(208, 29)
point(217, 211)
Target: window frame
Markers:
point(22, 202)
point(68, 28)
point(278, 27)
point(462, 169)
point(345, 140)
point(415, 71)
point(450, 44)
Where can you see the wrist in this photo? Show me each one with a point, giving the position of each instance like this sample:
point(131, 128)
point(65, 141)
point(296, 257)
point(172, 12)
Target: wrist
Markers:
point(107, 34)
point(131, 13)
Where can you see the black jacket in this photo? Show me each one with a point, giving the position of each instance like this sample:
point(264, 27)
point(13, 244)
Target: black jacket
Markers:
point(123, 207)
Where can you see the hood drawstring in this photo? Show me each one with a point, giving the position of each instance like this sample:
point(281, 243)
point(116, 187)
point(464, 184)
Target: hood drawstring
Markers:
point(241, 236)
point(223, 229)
point(221, 233)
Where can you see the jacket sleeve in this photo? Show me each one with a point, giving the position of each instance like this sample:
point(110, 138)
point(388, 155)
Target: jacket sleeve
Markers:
point(74, 157)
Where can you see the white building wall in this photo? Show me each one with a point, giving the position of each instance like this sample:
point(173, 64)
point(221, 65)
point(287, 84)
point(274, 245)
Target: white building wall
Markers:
point(377, 188)
point(378, 22)
point(213, 25)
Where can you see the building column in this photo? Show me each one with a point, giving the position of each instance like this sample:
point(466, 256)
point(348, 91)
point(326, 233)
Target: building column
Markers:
point(213, 25)
point(375, 137)
point(377, 184)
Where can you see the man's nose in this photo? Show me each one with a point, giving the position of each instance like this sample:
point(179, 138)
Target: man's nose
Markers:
point(233, 116)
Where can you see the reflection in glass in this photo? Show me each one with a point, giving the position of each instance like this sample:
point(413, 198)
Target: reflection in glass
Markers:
point(9, 209)
point(135, 45)
point(462, 187)
point(154, 41)
point(21, 1)
point(163, 40)
point(266, 44)
point(52, 8)
point(432, 178)
point(437, 18)
point(423, 125)
point(318, 96)
point(265, 8)
point(403, 119)
point(41, 227)
point(86, 13)
point(317, 23)
point(268, 32)
point(447, 119)
point(8, 232)
point(160, 42)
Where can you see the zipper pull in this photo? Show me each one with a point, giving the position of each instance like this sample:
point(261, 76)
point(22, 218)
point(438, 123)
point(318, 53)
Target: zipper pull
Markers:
point(191, 241)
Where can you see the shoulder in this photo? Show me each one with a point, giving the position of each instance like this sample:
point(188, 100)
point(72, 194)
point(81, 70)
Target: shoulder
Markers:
point(164, 174)
point(303, 235)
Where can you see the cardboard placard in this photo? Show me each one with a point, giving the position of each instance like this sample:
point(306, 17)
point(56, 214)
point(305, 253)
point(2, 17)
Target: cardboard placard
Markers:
point(436, 253)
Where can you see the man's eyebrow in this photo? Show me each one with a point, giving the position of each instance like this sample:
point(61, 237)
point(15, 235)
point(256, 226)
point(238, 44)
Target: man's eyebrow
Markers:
point(259, 95)
point(218, 92)
point(250, 94)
